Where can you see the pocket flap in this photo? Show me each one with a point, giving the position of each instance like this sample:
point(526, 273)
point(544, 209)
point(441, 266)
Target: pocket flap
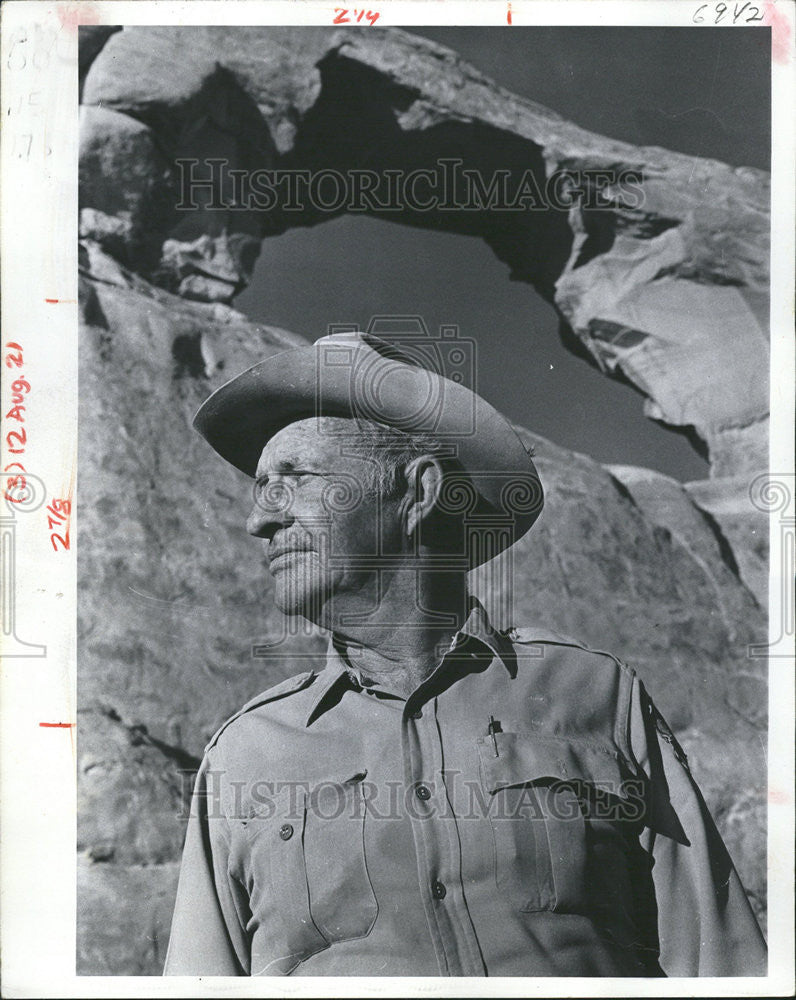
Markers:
point(523, 759)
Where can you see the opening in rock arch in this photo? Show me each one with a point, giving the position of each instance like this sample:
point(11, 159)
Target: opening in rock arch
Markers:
point(352, 268)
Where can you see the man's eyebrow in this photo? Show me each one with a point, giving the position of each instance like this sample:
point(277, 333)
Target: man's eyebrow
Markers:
point(288, 465)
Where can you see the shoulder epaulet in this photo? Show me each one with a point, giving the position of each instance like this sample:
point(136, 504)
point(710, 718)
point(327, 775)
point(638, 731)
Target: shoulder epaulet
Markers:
point(532, 634)
point(280, 690)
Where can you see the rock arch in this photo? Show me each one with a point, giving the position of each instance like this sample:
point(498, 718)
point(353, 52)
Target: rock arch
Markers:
point(663, 283)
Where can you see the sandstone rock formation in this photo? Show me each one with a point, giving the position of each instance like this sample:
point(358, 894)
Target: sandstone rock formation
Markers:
point(651, 275)
point(175, 611)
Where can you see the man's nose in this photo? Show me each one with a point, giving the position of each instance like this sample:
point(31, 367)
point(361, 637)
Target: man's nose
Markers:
point(271, 511)
point(264, 523)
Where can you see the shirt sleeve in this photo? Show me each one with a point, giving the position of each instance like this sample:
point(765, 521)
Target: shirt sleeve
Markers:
point(706, 926)
point(208, 935)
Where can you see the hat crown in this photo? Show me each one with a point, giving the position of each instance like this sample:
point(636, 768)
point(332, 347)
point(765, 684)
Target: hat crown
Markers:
point(357, 339)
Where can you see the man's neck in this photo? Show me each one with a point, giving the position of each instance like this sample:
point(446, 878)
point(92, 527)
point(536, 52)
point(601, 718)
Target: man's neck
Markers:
point(403, 640)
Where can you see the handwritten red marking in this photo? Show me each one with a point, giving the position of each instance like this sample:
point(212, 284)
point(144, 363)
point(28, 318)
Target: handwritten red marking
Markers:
point(780, 33)
point(508, 15)
point(72, 16)
point(62, 301)
point(16, 490)
point(340, 15)
point(51, 300)
point(56, 725)
point(59, 512)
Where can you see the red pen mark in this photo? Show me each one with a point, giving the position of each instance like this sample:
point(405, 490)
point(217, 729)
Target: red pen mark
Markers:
point(59, 512)
point(776, 796)
point(51, 300)
point(341, 15)
point(780, 33)
point(16, 486)
point(61, 725)
point(72, 16)
point(64, 301)
point(508, 15)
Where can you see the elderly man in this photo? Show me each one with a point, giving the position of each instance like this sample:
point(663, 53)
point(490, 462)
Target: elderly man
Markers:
point(443, 798)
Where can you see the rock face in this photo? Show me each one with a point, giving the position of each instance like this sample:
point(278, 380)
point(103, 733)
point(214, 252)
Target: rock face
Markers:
point(176, 616)
point(658, 267)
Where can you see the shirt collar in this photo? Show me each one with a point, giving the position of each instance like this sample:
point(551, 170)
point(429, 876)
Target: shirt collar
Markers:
point(479, 628)
point(332, 680)
point(477, 634)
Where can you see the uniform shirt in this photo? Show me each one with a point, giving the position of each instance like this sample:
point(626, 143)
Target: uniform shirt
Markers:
point(525, 812)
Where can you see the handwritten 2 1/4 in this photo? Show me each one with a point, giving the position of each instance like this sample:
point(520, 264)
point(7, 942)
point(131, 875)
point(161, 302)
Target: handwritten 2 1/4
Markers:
point(341, 15)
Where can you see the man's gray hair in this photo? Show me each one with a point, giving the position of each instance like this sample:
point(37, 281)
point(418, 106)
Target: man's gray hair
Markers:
point(389, 450)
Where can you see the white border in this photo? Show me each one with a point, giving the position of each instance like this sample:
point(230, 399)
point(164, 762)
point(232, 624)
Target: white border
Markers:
point(37, 766)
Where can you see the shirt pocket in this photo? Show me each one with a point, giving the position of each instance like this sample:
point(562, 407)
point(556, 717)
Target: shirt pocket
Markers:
point(309, 883)
point(342, 902)
point(546, 798)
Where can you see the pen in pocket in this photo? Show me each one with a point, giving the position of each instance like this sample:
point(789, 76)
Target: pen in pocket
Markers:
point(494, 727)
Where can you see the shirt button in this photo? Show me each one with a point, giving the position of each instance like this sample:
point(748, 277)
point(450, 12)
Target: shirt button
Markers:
point(438, 890)
point(417, 714)
point(423, 792)
point(286, 831)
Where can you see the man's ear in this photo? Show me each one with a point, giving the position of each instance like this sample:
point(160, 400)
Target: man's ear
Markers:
point(424, 483)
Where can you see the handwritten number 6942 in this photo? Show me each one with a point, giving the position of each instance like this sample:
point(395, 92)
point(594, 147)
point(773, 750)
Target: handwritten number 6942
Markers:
point(744, 12)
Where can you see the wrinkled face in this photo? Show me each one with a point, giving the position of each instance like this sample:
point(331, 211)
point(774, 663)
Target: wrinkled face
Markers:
point(322, 522)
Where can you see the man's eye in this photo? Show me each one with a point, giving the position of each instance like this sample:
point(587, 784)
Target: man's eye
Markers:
point(304, 476)
point(293, 480)
point(274, 492)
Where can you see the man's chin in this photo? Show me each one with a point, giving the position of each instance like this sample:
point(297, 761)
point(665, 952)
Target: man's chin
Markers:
point(309, 606)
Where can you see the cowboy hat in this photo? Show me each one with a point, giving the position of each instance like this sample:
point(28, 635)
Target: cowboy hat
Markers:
point(360, 376)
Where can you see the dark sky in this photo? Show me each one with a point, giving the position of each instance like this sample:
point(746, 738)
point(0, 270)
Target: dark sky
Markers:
point(703, 92)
